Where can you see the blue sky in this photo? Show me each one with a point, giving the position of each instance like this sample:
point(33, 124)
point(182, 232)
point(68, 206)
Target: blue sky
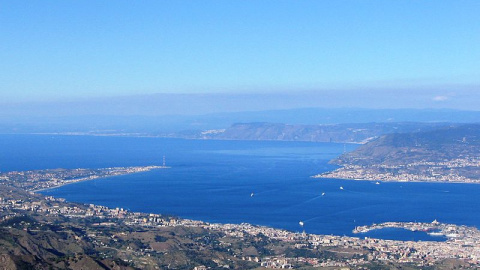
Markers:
point(55, 50)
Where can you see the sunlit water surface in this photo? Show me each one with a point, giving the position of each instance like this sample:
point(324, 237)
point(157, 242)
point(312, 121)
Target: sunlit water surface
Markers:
point(214, 181)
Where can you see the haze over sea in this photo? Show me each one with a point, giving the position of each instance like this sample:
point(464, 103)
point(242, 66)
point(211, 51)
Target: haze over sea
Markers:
point(213, 181)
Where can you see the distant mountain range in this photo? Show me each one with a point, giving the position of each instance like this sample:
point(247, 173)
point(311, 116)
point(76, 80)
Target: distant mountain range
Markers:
point(344, 133)
point(23, 120)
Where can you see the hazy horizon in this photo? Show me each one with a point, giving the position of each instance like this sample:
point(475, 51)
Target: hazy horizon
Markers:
point(207, 103)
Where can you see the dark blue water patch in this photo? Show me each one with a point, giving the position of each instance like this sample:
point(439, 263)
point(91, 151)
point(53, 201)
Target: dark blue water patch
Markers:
point(213, 181)
point(402, 235)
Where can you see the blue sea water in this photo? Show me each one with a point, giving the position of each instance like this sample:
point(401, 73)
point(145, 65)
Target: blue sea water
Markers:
point(213, 181)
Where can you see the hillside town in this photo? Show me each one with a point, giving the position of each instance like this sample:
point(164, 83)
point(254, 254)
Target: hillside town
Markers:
point(419, 171)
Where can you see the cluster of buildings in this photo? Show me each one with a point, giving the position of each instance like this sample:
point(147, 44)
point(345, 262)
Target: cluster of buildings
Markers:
point(463, 242)
point(44, 179)
point(422, 171)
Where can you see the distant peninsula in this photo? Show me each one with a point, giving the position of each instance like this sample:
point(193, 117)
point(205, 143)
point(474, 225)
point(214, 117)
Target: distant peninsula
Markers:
point(50, 178)
point(448, 154)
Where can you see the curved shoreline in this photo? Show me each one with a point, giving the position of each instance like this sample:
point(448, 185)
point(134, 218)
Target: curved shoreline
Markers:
point(40, 180)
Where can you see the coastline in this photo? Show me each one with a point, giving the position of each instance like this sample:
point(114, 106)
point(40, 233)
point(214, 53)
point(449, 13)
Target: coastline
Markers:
point(78, 180)
point(351, 175)
point(393, 181)
point(40, 180)
point(134, 135)
point(67, 183)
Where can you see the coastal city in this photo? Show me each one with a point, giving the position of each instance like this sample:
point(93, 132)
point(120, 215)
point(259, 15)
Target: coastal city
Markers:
point(462, 243)
point(419, 171)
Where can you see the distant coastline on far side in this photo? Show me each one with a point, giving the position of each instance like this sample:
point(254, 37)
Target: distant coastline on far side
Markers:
point(358, 173)
point(445, 155)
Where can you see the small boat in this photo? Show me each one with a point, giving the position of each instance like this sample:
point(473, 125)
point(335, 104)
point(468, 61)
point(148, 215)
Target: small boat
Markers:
point(377, 183)
point(323, 193)
point(341, 188)
point(251, 195)
point(301, 223)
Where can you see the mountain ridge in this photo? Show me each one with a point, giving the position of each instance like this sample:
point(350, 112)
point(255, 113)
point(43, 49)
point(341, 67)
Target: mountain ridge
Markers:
point(446, 154)
point(340, 133)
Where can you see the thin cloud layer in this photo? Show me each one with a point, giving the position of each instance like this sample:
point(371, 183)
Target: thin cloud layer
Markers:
point(440, 98)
